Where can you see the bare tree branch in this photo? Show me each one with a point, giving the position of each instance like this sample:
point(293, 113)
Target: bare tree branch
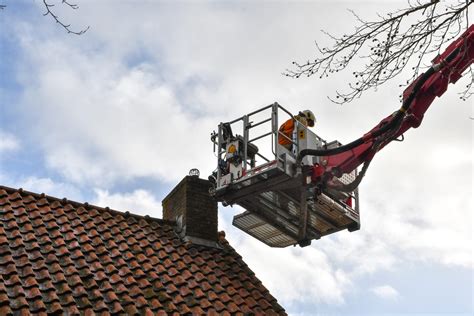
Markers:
point(49, 11)
point(389, 45)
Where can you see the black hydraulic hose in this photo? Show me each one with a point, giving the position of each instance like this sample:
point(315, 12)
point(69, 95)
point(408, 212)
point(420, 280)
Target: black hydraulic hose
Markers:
point(350, 187)
point(397, 117)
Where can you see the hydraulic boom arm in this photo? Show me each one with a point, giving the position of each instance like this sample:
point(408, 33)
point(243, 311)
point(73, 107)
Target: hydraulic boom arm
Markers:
point(417, 98)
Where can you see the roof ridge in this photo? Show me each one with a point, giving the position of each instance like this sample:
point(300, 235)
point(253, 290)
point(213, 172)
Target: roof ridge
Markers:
point(86, 205)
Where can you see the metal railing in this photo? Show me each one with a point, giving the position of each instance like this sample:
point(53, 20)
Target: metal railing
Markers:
point(276, 112)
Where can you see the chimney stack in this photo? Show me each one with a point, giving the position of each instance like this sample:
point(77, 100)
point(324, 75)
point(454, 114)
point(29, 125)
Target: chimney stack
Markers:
point(194, 210)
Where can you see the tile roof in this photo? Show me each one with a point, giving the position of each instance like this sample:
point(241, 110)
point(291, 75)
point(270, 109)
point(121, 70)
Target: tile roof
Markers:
point(59, 256)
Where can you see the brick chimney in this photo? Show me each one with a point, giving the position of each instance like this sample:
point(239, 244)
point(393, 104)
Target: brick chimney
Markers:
point(194, 210)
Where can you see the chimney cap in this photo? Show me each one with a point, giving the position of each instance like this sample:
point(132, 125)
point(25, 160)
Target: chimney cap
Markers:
point(194, 172)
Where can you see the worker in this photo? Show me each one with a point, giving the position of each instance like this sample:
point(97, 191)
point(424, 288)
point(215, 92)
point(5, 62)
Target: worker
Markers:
point(305, 117)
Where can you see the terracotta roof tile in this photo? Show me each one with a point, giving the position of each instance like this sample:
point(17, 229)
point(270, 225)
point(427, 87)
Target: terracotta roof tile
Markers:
point(131, 310)
point(183, 291)
point(237, 299)
point(3, 298)
point(37, 306)
point(17, 300)
point(54, 308)
point(197, 310)
point(212, 296)
point(63, 257)
point(171, 289)
point(198, 293)
point(73, 310)
point(218, 288)
point(116, 307)
point(32, 293)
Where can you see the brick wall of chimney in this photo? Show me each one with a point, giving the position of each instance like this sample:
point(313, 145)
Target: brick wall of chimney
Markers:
point(191, 199)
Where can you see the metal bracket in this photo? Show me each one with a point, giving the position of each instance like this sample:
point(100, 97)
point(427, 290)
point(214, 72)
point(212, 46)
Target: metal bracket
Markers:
point(303, 239)
point(180, 229)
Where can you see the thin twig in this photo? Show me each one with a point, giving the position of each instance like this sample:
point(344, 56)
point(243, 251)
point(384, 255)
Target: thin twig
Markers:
point(67, 27)
point(388, 46)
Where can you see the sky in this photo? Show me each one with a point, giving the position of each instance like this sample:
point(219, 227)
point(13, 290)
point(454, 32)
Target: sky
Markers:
point(118, 116)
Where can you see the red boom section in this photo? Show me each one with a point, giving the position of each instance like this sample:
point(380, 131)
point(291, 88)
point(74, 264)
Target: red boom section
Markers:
point(448, 68)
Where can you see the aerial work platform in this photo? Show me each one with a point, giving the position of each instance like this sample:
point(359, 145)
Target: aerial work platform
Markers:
point(307, 188)
point(283, 206)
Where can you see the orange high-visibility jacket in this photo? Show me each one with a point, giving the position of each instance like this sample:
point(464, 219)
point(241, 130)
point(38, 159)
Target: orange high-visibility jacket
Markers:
point(287, 130)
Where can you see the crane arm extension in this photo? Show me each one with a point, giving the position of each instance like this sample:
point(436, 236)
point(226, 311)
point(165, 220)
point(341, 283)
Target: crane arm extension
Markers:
point(417, 98)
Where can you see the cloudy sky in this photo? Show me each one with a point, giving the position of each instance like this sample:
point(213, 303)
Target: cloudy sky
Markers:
point(118, 116)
